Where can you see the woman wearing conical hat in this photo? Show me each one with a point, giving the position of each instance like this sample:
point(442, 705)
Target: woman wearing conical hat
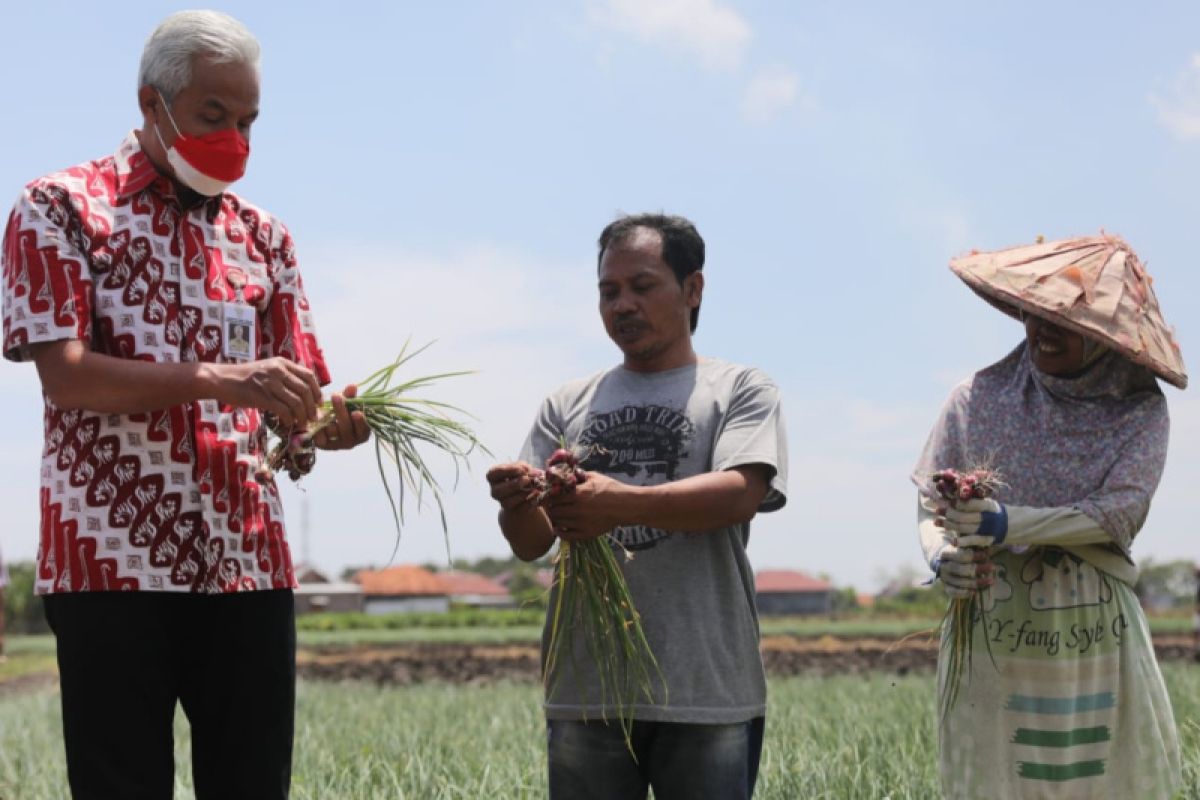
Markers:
point(1070, 703)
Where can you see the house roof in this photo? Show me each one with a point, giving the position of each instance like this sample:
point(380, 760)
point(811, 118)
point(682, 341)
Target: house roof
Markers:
point(459, 582)
point(405, 580)
point(783, 580)
point(307, 573)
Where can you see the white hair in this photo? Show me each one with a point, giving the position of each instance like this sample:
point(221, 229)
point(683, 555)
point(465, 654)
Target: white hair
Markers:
point(180, 38)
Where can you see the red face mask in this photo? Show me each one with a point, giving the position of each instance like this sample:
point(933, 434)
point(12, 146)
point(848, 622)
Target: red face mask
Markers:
point(207, 164)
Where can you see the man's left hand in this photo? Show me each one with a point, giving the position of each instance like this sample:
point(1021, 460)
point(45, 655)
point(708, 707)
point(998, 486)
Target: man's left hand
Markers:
point(588, 511)
point(348, 428)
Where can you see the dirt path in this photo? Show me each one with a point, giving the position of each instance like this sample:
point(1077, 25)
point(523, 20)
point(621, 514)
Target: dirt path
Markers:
point(30, 682)
point(783, 655)
point(474, 664)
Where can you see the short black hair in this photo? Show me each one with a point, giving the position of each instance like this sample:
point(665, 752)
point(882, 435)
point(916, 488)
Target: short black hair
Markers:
point(682, 245)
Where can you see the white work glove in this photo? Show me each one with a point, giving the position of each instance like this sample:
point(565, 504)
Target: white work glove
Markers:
point(963, 570)
point(987, 523)
point(982, 522)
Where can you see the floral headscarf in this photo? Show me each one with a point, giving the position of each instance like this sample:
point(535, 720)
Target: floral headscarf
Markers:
point(1096, 442)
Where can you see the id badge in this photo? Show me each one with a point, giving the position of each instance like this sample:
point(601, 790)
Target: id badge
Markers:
point(238, 323)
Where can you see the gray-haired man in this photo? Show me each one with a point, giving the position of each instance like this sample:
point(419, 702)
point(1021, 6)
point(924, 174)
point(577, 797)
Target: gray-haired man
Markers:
point(166, 575)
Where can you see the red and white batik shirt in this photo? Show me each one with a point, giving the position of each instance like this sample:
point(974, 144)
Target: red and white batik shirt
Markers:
point(167, 500)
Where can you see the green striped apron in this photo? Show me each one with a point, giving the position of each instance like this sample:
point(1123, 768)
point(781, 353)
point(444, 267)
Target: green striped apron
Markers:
point(1070, 703)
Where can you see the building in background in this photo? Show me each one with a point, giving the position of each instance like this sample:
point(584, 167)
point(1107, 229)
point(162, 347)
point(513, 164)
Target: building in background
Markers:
point(402, 588)
point(317, 593)
point(475, 590)
point(786, 592)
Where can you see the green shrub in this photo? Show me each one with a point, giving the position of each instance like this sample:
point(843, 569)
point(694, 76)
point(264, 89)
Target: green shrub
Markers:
point(455, 618)
point(22, 608)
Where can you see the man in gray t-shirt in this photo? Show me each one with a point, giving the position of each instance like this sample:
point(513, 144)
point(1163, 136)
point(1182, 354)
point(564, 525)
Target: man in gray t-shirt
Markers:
point(682, 452)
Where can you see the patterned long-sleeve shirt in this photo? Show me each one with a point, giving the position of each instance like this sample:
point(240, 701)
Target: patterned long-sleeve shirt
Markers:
point(167, 500)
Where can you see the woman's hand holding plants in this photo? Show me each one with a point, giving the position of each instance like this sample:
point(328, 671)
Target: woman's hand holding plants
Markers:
point(964, 570)
point(979, 522)
point(972, 522)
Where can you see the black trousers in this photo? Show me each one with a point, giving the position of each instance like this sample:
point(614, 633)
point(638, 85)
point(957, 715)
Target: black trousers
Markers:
point(126, 658)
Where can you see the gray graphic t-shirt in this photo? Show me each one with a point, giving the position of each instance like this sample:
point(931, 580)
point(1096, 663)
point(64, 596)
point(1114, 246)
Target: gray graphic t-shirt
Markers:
point(693, 589)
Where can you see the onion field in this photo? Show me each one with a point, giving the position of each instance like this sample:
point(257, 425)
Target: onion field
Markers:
point(868, 736)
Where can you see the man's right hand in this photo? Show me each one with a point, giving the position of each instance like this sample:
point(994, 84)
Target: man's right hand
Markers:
point(523, 523)
point(511, 484)
point(286, 389)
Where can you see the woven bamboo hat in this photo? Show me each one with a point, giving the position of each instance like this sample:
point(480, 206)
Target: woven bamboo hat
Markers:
point(1093, 285)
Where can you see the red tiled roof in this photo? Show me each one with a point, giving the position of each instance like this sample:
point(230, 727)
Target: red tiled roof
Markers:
point(458, 582)
point(406, 580)
point(783, 580)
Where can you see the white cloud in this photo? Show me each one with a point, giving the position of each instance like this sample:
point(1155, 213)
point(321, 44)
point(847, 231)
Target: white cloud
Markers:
point(1179, 110)
point(850, 510)
point(717, 34)
point(770, 93)
point(852, 517)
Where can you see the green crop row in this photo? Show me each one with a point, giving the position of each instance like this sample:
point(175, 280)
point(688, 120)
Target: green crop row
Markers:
point(841, 737)
point(455, 618)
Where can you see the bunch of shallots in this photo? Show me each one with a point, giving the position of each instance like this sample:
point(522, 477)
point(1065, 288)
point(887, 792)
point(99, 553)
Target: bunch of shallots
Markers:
point(295, 453)
point(960, 487)
point(593, 600)
point(957, 488)
point(562, 474)
point(405, 426)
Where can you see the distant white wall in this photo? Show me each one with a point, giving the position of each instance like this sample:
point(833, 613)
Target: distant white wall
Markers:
point(397, 605)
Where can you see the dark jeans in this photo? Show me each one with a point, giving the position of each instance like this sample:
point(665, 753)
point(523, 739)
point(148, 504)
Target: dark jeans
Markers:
point(590, 760)
point(126, 658)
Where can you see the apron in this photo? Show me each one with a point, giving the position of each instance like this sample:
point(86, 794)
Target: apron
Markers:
point(1074, 705)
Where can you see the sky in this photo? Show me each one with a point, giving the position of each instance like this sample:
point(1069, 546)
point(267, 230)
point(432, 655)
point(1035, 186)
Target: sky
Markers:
point(445, 169)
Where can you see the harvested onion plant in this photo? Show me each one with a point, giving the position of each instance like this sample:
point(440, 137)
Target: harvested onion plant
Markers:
point(404, 426)
point(959, 487)
point(593, 600)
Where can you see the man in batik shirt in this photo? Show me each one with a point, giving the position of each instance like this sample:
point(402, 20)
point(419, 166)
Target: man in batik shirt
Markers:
point(163, 562)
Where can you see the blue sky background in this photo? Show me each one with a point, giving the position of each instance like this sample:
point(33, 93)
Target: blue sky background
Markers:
point(445, 169)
